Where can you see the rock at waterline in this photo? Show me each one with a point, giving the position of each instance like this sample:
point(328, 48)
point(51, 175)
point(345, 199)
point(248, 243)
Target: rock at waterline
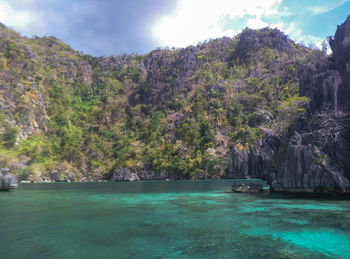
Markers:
point(124, 175)
point(246, 188)
point(7, 180)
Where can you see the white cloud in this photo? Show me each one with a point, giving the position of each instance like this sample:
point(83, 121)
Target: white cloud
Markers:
point(197, 20)
point(279, 26)
point(296, 34)
point(331, 5)
point(27, 22)
point(13, 17)
point(256, 23)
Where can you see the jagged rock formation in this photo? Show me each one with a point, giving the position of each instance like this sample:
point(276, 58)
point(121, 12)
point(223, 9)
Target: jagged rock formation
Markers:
point(313, 156)
point(250, 40)
point(341, 45)
point(7, 180)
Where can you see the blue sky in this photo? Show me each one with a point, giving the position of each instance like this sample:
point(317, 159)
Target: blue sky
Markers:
point(112, 27)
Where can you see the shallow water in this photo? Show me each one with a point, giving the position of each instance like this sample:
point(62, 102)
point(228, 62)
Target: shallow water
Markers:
point(175, 219)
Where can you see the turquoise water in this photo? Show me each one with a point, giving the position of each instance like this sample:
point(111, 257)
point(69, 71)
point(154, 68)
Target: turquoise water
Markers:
point(175, 219)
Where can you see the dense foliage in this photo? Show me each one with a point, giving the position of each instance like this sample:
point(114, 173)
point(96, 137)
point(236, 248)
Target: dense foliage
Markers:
point(179, 110)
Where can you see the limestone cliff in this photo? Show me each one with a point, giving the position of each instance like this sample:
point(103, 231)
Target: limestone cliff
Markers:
point(313, 155)
point(171, 113)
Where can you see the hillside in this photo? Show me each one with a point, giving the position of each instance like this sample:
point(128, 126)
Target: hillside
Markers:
point(172, 113)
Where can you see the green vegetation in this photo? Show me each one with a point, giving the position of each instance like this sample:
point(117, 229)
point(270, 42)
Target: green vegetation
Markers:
point(179, 111)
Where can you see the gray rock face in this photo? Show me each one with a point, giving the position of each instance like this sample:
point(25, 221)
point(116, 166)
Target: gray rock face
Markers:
point(306, 169)
point(249, 43)
point(167, 75)
point(291, 166)
point(261, 156)
point(257, 162)
point(246, 188)
point(320, 82)
point(340, 45)
point(124, 175)
point(239, 163)
point(7, 180)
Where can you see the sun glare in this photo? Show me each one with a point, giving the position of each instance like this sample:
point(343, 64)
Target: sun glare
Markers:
point(196, 21)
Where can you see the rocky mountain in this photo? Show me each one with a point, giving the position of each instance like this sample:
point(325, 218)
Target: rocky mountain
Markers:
point(174, 113)
point(313, 155)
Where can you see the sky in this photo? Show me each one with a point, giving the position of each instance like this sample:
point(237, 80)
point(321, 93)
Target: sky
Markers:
point(114, 27)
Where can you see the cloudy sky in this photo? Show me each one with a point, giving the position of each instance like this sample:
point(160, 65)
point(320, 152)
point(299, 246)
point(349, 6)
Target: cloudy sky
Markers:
point(112, 27)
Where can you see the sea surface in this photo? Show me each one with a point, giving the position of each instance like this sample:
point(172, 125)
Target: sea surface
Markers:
point(168, 219)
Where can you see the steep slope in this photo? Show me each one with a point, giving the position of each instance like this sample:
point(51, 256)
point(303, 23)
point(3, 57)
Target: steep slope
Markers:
point(314, 155)
point(171, 113)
